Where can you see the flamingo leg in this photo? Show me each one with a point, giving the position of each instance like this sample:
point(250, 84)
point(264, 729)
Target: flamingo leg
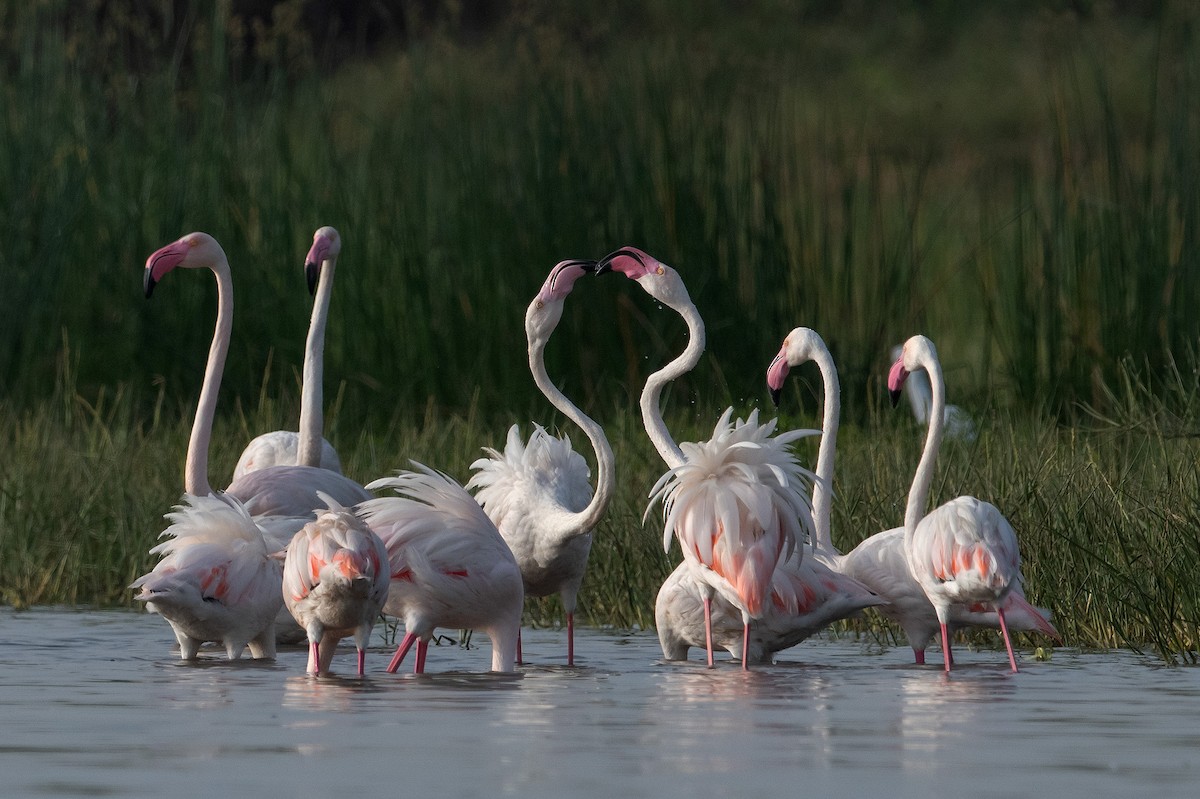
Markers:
point(946, 647)
point(708, 629)
point(1012, 661)
point(919, 656)
point(401, 651)
point(745, 646)
point(521, 662)
point(422, 647)
point(362, 662)
point(570, 639)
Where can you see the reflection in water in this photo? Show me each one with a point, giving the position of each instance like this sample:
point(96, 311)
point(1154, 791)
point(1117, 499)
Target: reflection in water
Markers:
point(834, 719)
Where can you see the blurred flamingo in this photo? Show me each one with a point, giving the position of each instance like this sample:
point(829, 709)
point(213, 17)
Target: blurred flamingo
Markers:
point(537, 493)
point(283, 447)
point(216, 580)
point(449, 567)
point(335, 582)
point(738, 502)
point(287, 491)
point(880, 562)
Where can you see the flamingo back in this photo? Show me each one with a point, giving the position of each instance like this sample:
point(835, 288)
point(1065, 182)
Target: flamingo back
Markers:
point(546, 472)
point(965, 551)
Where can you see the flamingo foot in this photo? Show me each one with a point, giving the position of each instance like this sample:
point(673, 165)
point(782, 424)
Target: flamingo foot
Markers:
point(946, 647)
point(1012, 660)
point(401, 651)
point(708, 629)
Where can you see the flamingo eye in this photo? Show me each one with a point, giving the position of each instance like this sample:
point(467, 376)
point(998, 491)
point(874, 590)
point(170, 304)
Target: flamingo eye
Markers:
point(540, 305)
point(661, 270)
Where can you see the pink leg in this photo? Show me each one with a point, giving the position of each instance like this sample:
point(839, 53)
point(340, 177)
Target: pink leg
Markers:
point(919, 656)
point(314, 658)
point(422, 647)
point(570, 639)
point(946, 647)
point(745, 646)
point(401, 651)
point(362, 662)
point(708, 629)
point(520, 662)
point(1012, 661)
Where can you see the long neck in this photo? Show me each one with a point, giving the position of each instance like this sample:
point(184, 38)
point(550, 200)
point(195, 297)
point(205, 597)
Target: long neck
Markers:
point(652, 417)
point(586, 519)
point(195, 470)
point(823, 488)
point(918, 495)
point(312, 391)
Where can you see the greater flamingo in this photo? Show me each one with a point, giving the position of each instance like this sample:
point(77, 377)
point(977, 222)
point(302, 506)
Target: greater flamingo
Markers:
point(289, 491)
point(216, 580)
point(449, 565)
point(335, 582)
point(283, 446)
point(959, 423)
point(537, 493)
point(880, 562)
point(963, 552)
point(737, 502)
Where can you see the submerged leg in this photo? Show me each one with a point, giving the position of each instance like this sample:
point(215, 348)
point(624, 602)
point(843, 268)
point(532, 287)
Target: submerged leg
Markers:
point(919, 656)
point(401, 651)
point(314, 657)
point(362, 662)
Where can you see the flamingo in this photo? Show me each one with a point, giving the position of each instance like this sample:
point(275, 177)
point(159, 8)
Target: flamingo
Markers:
point(537, 493)
point(283, 446)
point(335, 582)
point(216, 580)
point(736, 502)
point(275, 491)
point(959, 423)
point(449, 567)
point(880, 562)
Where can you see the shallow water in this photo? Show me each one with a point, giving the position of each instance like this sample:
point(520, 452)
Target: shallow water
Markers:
point(96, 704)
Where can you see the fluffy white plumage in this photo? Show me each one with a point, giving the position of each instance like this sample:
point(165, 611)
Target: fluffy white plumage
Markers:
point(279, 448)
point(335, 582)
point(449, 566)
point(216, 580)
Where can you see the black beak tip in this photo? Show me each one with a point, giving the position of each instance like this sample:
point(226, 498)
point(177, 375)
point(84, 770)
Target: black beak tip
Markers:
point(602, 268)
point(312, 274)
point(895, 397)
point(148, 284)
point(775, 392)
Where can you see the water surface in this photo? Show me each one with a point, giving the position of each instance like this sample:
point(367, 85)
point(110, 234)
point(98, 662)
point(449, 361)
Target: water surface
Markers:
point(96, 704)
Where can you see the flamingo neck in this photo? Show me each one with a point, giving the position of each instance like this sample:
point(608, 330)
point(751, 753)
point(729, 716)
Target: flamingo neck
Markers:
point(585, 520)
point(195, 470)
point(656, 427)
point(312, 390)
point(918, 495)
point(822, 498)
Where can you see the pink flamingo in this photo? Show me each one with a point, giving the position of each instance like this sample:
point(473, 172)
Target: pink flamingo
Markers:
point(283, 446)
point(289, 491)
point(537, 493)
point(737, 502)
point(216, 580)
point(880, 562)
point(449, 566)
point(335, 582)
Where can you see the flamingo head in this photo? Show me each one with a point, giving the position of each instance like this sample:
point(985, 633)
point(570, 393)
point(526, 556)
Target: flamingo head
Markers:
point(326, 246)
point(193, 250)
point(799, 346)
point(546, 309)
point(657, 279)
point(917, 352)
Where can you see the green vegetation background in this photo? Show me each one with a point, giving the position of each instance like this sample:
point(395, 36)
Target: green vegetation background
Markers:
point(1019, 181)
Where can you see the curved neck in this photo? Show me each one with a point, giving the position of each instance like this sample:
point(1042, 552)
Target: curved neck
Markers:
point(586, 519)
point(918, 495)
point(195, 470)
point(823, 487)
point(311, 390)
point(652, 417)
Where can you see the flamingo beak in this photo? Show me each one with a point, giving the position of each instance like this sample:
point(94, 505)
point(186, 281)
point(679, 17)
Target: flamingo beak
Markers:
point(896, 378)
point(312, 275)
point(777, 372)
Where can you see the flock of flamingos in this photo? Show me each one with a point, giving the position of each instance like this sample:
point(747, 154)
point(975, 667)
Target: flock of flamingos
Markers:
point(293, 548)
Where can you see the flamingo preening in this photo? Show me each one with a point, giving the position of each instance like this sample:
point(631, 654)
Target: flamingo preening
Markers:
point(881, 562)
point(737, 503)
point(537, 492)
point(283, 447)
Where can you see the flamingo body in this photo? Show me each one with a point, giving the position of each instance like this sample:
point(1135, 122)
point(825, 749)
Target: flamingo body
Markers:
point(280, 448)
point(335, 582)
point(449, 567)
point(216, 580)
